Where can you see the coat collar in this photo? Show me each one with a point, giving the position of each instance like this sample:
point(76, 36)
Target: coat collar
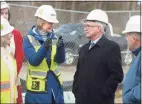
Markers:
point(101, 42)
point(136, 51)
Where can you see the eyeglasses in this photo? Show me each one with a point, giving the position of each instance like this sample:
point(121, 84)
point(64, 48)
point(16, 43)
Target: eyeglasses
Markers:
point(90, 26)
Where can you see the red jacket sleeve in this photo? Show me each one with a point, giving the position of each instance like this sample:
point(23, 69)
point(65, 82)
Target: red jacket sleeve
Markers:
point(19, 53)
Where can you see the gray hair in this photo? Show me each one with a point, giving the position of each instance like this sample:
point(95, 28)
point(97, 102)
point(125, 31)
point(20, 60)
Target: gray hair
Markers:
point(138, 35)
point(102, 25)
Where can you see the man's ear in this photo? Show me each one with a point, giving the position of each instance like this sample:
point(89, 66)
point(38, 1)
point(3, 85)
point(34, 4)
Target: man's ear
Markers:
point(99, 28)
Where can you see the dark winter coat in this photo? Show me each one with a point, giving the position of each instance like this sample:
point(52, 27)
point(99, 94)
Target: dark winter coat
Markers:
point(98, 73)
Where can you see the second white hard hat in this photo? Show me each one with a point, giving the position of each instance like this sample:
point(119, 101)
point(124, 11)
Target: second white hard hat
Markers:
point(98, 15)
point(133, 24)
point(4, 4)
point(47, 13)
point(5, 27)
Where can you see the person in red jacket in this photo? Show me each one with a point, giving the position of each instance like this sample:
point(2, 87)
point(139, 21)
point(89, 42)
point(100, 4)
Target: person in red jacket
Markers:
point(16, 47)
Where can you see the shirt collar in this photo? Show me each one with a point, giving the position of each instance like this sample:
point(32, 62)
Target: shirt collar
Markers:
point(95, 41)
point(101, 41)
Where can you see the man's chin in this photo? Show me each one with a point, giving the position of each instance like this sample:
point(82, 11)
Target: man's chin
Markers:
point(88, 37)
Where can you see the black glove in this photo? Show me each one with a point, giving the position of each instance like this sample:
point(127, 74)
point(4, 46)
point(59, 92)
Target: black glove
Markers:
point(48, 43)
point(60, 42)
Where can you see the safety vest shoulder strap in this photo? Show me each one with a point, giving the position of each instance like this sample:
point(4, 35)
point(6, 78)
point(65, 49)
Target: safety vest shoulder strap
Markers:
point(33, 41)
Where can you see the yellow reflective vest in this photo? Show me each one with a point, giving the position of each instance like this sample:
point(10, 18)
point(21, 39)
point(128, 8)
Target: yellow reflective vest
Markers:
point(8, 78)
point(37, 75)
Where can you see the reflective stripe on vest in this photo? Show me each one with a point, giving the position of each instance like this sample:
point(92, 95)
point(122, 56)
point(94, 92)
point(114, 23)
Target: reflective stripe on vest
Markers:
point(53, 66)
point(57, 72)
point(40, 74)
point(4, 86)
point(43, 74)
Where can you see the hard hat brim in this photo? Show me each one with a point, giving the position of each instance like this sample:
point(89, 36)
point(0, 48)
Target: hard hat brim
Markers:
point(7, 32)
point(49, 20)
point(126, 31)
point(83, 20)
point(54, 21)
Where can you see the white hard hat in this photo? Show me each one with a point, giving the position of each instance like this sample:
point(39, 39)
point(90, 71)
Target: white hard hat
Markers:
point(109, 29)
point(4, 4)
point(5, 27)
point(98, 15)
point(133, 24)
point(47, 13)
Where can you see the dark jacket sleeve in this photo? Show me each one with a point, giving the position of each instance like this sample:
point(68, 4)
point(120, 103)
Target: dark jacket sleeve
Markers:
point(34, 58)
point(74, 88)
point(115, 70)
point(60, 55)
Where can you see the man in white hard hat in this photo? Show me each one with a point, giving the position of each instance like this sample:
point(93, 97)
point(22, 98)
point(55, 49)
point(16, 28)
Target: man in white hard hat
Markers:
point(44, 53)
point(132, 81)
point(99, 67)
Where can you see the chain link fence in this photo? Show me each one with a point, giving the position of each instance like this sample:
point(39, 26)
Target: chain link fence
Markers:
point(22, 17)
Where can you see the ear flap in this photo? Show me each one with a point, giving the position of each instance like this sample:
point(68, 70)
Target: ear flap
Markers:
point(108, 29)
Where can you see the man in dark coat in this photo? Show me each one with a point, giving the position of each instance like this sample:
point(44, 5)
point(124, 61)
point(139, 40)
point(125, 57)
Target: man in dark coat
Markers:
point(99, 68)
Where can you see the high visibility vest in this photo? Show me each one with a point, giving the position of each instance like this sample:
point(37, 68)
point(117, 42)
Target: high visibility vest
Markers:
point(5, 83)
point(37, 75)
